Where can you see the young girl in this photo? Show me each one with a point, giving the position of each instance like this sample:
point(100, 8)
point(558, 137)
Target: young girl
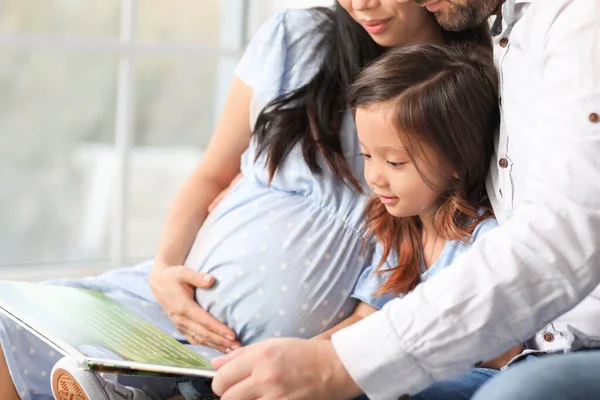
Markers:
point(426, 117)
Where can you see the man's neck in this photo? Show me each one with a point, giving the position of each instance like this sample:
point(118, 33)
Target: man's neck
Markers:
point(499, 9)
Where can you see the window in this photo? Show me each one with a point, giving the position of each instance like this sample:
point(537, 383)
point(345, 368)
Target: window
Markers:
point(106, 109)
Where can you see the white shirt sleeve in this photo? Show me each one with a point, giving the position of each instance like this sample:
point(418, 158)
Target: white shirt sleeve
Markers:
point(536, 266)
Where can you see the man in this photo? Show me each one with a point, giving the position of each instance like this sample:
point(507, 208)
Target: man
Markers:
point(542, 261)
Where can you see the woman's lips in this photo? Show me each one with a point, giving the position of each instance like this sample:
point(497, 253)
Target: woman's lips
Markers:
point(375, 26)
point(388, 200)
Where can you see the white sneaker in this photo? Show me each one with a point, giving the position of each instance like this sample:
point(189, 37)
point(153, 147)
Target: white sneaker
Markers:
point(72, 383)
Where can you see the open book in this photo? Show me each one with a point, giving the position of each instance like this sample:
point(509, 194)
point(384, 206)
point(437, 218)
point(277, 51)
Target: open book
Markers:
point(97, 332)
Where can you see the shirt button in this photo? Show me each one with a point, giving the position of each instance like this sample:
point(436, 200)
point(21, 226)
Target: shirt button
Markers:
point(503, 162)
point(503, 42)
point(594, 118)
point(548, 337)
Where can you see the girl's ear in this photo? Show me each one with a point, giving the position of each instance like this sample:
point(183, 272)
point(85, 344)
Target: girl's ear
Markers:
point(455, 175)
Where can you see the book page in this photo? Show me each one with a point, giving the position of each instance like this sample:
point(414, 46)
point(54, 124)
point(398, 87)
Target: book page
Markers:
point(94, 324)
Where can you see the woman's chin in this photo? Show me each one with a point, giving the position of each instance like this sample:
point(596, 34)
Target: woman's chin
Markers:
point(385, 41)
point(394, 211)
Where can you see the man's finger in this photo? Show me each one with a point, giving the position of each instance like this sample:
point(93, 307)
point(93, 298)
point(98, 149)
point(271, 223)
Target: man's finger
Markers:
point(218, 362)
point(247, 389)
point(237, 368)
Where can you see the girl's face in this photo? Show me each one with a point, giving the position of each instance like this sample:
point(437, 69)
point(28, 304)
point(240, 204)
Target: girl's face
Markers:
point(393, 23)
point(389, 171)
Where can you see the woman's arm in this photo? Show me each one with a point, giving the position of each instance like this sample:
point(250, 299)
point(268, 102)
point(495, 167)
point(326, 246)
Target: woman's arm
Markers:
point(503, 359)
point(219, 166)
point(172, 283)
point(362, 310)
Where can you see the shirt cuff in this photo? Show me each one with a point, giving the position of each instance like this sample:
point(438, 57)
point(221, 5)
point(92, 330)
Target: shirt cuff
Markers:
point(372, 353)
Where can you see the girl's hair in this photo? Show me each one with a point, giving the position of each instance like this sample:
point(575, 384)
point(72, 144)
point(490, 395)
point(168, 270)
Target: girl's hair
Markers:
point(312, 114)
point(445, 97)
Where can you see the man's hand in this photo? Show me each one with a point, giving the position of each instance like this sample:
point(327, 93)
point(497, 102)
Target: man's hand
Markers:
point(173, 287)
point(293, 369)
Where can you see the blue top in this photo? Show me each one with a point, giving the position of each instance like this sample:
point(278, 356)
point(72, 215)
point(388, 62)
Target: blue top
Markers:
point(369, 282)
point(285, 256)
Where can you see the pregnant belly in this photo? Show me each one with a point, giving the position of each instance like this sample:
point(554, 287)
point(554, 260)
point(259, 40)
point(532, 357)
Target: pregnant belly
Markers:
point(283, 267)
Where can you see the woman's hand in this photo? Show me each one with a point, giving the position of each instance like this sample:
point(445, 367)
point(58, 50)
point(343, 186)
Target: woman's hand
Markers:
point(503, 359)
point(174, 287)
point(218, 199)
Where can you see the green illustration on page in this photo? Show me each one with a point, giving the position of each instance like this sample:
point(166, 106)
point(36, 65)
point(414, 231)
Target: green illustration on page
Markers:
point(94, 325)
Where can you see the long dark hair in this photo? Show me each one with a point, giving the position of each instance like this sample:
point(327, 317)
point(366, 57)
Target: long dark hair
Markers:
point(313, 114)
point(445, 97)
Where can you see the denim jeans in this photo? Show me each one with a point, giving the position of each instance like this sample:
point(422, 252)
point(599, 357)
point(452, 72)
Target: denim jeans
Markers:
point(196, 389)
point(573, 376)
point(461, 388)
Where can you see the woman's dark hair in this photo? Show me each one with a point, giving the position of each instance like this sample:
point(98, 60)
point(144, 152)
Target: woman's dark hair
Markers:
point(313, 114)
point(446, 98)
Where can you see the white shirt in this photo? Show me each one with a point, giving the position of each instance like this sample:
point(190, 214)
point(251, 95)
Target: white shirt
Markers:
point(545, 189)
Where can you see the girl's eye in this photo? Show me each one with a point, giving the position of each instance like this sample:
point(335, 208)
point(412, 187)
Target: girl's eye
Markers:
point(367, 156)
point(396, 164)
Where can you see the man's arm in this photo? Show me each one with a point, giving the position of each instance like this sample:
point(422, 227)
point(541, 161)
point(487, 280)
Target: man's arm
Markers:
point(529, 271)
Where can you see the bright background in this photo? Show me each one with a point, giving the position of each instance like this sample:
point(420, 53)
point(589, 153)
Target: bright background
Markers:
point(106, 107)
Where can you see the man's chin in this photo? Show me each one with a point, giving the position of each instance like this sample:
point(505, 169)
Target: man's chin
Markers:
point(459, 17)
point(451, 26)
point(450, 21)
